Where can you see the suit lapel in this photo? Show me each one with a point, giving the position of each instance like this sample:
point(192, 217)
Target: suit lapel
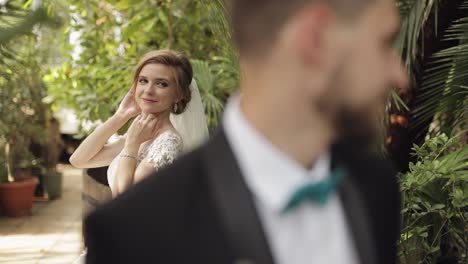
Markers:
point(239, 216)
point(235, 203)
point(357, 214)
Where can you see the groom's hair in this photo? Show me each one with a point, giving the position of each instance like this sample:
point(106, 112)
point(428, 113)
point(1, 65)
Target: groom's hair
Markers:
point(255, 23)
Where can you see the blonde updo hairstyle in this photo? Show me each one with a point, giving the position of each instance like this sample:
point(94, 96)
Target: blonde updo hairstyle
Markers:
point(181, 70)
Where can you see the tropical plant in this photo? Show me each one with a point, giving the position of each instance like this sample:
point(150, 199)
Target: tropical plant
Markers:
point(216, 83)
point(433, 46)
point(435, 198)
point(21, 85)
point(432, 43)
point(21, 106)
point(444, 89)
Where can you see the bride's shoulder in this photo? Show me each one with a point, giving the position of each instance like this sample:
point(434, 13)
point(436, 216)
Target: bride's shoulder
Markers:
point(165, 148)
point(168, 137)
point(171, 135)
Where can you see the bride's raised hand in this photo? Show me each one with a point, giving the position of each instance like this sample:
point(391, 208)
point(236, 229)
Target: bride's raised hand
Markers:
point(144, 127)
point(128, 108)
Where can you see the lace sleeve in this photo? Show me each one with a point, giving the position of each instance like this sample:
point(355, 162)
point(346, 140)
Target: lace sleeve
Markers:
point(164, 150)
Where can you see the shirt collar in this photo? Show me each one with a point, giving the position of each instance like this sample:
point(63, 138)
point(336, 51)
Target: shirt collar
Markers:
point(269, 173)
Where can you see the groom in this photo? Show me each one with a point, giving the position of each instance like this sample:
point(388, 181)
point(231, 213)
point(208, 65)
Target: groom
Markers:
point(288, 177)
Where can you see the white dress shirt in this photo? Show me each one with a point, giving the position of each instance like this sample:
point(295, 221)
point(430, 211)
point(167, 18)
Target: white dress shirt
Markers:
point(309, 233)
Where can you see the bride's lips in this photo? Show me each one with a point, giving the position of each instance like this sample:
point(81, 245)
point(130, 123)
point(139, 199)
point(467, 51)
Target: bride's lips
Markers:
point(150, 101)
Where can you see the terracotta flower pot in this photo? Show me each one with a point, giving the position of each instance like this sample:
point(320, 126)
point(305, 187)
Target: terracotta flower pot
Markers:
point(17, 197)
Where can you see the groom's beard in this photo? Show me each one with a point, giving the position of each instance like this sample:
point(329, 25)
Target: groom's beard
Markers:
point(352, 125)
point(356, 127)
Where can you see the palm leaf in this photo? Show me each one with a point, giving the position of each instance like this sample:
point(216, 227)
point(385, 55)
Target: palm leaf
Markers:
point(444, 87)
point(415, 13)
point(206, 82)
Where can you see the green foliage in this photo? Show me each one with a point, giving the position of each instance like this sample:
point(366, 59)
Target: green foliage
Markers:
point(435, 190)
point(21, 87)
point(21, 104)
point(210, 78)
point(435, 201)
point(443, 98)
point(444, 94)
point(18, 20)
point(415, 14)
point(115, 34)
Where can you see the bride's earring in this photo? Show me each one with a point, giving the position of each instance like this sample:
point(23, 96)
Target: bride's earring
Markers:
point(175, 108)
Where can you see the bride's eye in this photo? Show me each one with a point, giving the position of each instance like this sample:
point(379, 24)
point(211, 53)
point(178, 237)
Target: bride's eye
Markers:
point(162, 84)
point(142, 81)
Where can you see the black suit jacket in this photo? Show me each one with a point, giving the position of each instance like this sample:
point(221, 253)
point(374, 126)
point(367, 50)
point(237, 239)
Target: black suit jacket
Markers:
point(199, 210)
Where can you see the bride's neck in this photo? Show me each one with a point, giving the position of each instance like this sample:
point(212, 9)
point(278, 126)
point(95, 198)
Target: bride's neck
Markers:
point(163, 117)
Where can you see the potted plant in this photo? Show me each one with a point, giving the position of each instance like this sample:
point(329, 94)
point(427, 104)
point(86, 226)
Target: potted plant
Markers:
point(16, 193)
point(18, 129)
point(21, 93)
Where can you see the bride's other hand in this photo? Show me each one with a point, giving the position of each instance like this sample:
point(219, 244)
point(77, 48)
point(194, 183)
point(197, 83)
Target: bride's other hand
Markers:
point(144, 127)
point(94, 151)
point(128, 108)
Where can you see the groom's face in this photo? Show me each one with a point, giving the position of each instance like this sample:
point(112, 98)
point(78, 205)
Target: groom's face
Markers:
point(359, 66)
point(370, 69)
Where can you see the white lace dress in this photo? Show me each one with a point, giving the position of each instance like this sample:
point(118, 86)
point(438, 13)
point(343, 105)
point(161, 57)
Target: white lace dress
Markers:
point(162, 151)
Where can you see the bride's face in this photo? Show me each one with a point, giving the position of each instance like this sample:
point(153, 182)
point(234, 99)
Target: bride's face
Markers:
point(156, 89)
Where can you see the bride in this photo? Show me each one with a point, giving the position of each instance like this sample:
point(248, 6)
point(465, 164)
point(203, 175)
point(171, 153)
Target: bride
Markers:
point(169, 120)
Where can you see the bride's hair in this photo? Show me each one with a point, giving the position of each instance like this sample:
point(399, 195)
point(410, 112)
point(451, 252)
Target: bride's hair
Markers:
point(181, 69)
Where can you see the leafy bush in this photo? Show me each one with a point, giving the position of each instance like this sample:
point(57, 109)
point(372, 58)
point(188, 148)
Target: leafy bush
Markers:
point(435, 203)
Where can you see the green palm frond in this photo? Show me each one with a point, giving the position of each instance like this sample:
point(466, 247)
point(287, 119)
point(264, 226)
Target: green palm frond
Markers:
point(206, 83)
point(415, 13)
point(396, 101)
point(219, 21)
point(218, 78)
point(445, 83)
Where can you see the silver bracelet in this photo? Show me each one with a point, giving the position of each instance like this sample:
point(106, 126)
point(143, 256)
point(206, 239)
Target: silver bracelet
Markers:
point(124, 155)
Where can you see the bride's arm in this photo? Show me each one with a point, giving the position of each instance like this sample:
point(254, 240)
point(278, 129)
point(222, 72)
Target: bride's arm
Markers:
point(93, 151)
point(126, 168)
point(143, 128)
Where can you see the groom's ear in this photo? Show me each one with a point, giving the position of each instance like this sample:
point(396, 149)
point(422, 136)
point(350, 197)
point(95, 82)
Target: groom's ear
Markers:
point(309, 28)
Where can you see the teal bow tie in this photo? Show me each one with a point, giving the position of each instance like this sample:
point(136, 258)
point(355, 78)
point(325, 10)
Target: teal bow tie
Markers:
point(317, 192)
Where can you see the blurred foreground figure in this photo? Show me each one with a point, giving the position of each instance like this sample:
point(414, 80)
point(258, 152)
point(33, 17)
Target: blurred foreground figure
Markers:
point(288, 177)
